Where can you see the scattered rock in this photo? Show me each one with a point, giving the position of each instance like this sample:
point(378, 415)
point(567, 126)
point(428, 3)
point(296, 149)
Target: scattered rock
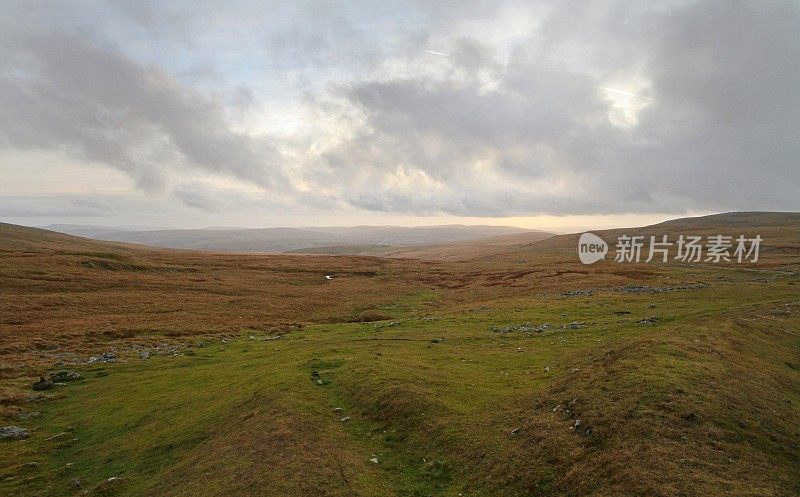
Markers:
point(522, 327)
point(76, 482)
point(42, 384)
point(574, 325)
point(650, 320)
point(547, 369)
point(65, 375)
point(345, 419)
point(144, 354)
point(435, 340)
point(104, 357)
point(651, 306)
point(658, 289)
point(621, 313)
point(373, 460)
point(13, 433)
point(337, 409)
point(579, 293)
point(32, 464)
point(29, 414)
point(515, 431)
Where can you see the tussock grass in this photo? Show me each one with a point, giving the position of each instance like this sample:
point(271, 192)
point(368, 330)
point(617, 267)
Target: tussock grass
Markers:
point(703, 401)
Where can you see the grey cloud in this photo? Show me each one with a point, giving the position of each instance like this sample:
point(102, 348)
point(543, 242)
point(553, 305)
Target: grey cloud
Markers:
point(501, 127)
point(71, 92)
point(15, 206)
point(721, 133)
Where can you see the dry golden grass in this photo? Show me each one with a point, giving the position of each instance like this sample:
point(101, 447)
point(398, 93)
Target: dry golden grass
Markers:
point(704, 402)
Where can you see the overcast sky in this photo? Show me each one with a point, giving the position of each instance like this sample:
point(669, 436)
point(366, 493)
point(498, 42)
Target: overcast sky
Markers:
point(265, 113)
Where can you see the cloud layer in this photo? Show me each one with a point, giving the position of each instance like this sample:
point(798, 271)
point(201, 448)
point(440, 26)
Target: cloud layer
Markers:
point(339, 106)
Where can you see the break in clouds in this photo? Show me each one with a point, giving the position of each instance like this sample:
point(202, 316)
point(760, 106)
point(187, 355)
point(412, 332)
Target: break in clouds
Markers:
point(537, 108)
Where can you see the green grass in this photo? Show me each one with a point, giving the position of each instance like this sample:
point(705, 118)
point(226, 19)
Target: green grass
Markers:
point(710, 392)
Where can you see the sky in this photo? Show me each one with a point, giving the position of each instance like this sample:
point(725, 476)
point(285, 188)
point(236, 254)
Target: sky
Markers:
point(542, 114)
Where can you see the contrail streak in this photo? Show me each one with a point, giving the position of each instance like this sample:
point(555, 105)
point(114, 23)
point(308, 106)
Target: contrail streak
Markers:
point(438, 53)
point(623, 92)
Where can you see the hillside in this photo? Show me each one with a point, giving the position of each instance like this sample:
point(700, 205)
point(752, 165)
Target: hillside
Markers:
point(513, 371)
point(453, 251)
point(290, 239)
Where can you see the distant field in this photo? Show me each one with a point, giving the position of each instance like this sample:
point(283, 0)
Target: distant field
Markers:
point(494, 367)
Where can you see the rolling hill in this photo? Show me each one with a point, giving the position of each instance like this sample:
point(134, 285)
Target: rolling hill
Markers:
point(509, 369)
point(269, 240)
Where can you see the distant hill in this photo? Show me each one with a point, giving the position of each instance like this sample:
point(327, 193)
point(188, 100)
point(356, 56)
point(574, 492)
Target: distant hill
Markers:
point(452, 251)
point(292, 239)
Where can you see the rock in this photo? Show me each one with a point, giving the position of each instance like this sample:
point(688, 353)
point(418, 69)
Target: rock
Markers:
point(577, 424)
point(32, 464)
point(579, 293)
point(65, 375)
point(523, 327)
point(575, 325)
point(42, 384)
point(319, 382)
point(144, 354)
point(104, 357)
point(547, 369)
point(515, 431)
point(13, 433)
point(435, 340)
point(519, 349)
point(649, 320)
point(57, 436)
point(345, 419)
point(658, 289)
point(373, 460)
point(651, 306)
point(29, 414)
point(76, 482)
point(337, 409)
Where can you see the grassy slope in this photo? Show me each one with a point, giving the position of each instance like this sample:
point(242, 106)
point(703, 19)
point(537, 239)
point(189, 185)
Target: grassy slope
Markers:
point(452, 251)
point(705, 401)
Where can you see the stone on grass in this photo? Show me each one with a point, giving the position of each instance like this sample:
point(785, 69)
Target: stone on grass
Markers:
point(13, 433)
point(65, 375)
